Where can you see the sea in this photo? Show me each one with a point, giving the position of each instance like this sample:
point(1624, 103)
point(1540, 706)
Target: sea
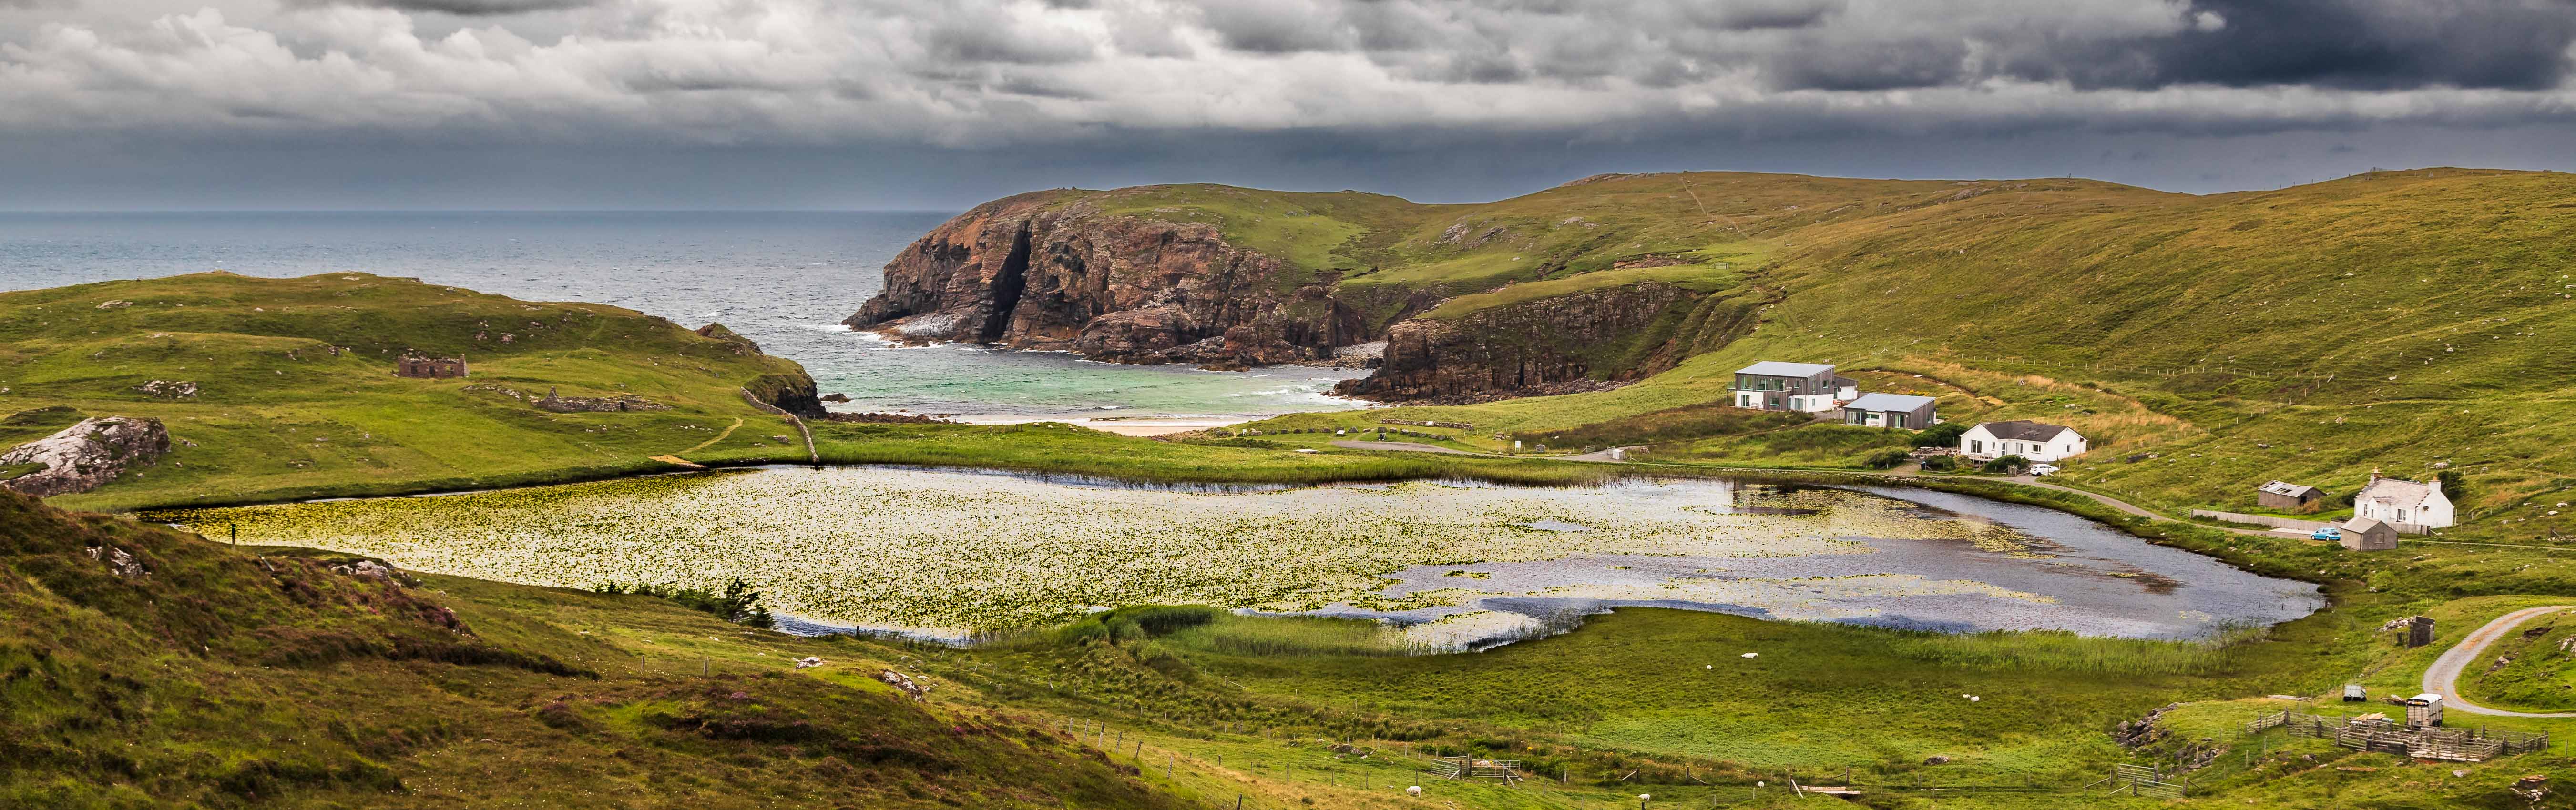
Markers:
point(785, 279)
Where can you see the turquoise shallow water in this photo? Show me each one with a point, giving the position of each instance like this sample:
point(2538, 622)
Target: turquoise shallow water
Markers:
point(785, 279)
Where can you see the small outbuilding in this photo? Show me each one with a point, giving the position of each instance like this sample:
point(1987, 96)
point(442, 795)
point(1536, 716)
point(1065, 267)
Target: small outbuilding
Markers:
point(2366, 534)
point(2284, 496)
point(1891, 410)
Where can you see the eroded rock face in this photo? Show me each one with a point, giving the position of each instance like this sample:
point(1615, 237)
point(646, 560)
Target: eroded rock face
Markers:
point(1546, 346)
point(86, 456)
point(1030, 273)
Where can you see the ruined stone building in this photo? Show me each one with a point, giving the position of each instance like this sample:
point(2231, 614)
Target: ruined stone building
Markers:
point(429, 368)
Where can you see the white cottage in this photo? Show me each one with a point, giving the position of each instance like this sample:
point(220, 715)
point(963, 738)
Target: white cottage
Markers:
point(2037, 441)
point(2391, 500)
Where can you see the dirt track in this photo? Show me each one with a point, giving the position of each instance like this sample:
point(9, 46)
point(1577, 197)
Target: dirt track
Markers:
point(2444, 676)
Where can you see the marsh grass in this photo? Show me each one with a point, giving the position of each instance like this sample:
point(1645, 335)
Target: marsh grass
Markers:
point(1292, 636)
point(2060, 651)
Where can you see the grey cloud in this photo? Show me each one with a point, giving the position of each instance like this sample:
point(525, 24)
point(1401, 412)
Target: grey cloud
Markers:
point(967, 40)
point(1761, 14)
point(1890, 66)
point(1277, 26)
point(463, 8)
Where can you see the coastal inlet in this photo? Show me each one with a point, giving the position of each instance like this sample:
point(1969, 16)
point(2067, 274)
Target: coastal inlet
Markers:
point(1456, 565)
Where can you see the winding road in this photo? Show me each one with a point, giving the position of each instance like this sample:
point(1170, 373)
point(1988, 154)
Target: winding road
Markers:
point(2443, 678)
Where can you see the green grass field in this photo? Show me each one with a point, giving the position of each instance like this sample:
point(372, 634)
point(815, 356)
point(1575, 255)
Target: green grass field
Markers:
point(297, 396)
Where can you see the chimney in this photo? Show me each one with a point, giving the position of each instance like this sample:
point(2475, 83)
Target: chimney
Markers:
point(2374, 474)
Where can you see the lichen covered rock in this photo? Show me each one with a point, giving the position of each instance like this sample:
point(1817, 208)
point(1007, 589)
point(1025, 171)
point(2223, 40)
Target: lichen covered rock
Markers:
point(87, 455)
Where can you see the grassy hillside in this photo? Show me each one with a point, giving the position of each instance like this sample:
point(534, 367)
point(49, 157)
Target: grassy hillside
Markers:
point(2394, 320)
point(205, 676)
point(296, 395)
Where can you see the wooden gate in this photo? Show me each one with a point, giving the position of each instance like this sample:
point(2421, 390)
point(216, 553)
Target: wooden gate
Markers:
point(2140, 780)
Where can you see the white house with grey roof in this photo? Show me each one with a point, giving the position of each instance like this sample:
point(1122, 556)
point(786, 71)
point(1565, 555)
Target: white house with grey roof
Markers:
point(1772, 385)
point(2392, 500)
point(1876, 409)
point(2037, 441)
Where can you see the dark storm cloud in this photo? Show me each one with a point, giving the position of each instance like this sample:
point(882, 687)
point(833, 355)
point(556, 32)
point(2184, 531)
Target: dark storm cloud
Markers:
point(2377, 44)
point(2343, 44)
point(1523, 87)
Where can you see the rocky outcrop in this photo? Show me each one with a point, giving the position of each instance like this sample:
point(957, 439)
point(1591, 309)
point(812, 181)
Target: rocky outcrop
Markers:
point(169, 389)
point(794, 393)
point(1039, 272)
point(1580, 342)
point(563, 404)
point(87, 455)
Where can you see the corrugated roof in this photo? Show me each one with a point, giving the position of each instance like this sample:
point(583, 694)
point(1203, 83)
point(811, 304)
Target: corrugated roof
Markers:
point(2024, 431)
point(1888, 402)
point(2363, 525)
point(2287, 488)
point(1779, 369)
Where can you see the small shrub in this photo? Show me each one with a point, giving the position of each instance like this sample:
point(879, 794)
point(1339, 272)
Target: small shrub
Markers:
point(1887, 459)
point(2008, 465)
point(1943, 463)
point(737, 603)
point(2454, 485)
point(1945, 434)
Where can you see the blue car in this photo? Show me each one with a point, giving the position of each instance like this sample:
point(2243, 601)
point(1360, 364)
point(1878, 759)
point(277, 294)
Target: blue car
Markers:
point(2327, 533)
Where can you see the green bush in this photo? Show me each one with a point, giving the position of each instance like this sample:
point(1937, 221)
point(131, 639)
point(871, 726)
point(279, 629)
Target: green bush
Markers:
point(1887, 459)
point(1944, 463)
point(1945, 434)
point(737, 603)
point(1137, 623)
point(2008, 465)
point(2454, 485)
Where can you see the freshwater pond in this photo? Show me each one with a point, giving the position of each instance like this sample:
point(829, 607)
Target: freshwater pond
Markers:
point(953, 554)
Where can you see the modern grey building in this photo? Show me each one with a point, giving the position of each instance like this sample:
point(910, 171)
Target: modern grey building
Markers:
point(1891, 410)
point(1772, 385)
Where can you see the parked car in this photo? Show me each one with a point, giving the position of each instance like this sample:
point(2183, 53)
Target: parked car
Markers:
point(2043, 469)
point(2327, 533)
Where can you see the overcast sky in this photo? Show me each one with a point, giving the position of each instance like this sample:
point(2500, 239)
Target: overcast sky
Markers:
point(937, 104)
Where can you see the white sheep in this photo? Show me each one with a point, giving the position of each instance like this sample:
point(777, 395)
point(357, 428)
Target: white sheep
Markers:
point(1415, 790)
